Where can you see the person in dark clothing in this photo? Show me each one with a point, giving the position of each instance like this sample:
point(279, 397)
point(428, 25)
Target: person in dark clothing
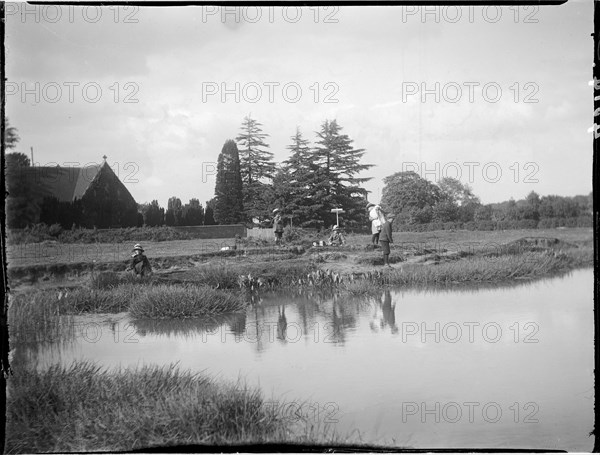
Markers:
point(385, 238)
point(278, 226)
point(139, 262)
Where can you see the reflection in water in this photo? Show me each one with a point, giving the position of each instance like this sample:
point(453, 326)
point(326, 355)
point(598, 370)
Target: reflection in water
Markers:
point(176, 328)
point(358, 354)
point(385, 314)
point(281, 324)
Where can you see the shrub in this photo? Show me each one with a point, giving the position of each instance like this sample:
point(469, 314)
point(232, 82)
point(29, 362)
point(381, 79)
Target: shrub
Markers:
point(55, 230)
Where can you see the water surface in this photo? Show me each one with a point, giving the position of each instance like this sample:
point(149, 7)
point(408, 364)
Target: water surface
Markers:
point(507, 367)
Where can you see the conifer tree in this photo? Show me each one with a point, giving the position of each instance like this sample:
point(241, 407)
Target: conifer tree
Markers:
point(228, 207)
point(338, 183)
point(209, 218)
point(297, 184)
point(257, 169)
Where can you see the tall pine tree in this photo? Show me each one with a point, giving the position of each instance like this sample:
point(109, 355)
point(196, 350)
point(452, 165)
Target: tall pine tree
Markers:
point(338, 180)
point(297, 184)
point(228, 207)
point(257, 169)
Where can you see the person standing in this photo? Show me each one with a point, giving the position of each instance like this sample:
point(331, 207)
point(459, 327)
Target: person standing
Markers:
point(377, 219)
point(277, 226)
point(385, 238)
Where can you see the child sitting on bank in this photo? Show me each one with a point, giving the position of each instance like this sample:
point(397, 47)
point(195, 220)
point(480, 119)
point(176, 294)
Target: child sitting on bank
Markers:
point(336, 238)
point(139, 262)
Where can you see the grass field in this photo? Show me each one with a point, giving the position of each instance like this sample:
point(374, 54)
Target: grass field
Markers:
point(56, 253)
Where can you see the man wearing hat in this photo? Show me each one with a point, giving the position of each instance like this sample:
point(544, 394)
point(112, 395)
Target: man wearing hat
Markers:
point(139, 262)
point(385, 238)
point(277, 226)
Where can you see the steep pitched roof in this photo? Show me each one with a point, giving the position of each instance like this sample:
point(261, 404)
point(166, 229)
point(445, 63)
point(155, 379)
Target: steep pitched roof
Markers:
point(64, 183)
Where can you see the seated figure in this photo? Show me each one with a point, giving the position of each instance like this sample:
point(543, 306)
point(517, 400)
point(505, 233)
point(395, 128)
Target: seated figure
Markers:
point(139, 262)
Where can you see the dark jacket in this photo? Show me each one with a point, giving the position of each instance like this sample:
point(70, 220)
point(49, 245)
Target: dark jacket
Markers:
point(386, 233)
point(278, 223)
point(141, 265)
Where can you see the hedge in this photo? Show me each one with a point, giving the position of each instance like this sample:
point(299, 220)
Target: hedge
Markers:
point(582, 221)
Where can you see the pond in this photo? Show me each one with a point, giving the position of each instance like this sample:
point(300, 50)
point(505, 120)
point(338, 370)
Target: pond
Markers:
point(502, 367)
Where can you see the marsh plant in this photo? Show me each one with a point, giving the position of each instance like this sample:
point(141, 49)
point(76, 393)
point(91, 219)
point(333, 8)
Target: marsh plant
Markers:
point(187, 301)
point(83, 407)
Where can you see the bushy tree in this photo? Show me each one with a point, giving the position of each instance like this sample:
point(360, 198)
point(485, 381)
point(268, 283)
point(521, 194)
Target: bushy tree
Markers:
point(483, 213)
point(23, 200)
point(153, 213)
point(17, 160)
point(193, 213)
point(228, 208)
point(407, 192)
point(174, 214)
point(11, 136)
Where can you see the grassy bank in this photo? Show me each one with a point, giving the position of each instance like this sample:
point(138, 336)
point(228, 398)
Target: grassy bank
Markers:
point(483, 270)
point(83, 408)
point(44, 315)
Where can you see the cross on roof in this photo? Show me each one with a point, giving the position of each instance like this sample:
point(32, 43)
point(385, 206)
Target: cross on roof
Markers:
point(104, 156)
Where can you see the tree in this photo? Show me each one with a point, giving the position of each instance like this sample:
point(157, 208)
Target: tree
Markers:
point(193, 213)
point(257, 169)
point(209, 219)
point(483, 213)
point(407, 192)
point(24, 198)
point(338, 184)
point(256, 163)
point(228, 208)
point(174, 214)
point(296, 184)
point(456, 192)
point(154, 214)
point(11, 137)
point(445, 211)
point(16, 160)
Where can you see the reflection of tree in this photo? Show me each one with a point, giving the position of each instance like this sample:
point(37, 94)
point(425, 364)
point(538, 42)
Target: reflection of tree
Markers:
point(258, 328)
point(237, 324)
point(281, 324)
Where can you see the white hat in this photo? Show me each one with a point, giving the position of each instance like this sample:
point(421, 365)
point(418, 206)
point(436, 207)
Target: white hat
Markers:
point(335, 227)
point(137, 246)
point(275, 210)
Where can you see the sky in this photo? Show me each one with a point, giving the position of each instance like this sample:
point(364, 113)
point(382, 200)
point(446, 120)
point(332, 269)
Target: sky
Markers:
point(498, 97)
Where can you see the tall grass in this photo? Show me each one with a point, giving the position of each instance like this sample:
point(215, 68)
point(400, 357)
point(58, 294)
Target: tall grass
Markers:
point(35, 319)
point(484, 270)
point(188, 301)
point(218, 276)
point(85, 408)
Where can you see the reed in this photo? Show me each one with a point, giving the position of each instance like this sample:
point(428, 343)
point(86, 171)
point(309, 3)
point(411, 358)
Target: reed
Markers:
point(187, 301)
point(84, 408)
